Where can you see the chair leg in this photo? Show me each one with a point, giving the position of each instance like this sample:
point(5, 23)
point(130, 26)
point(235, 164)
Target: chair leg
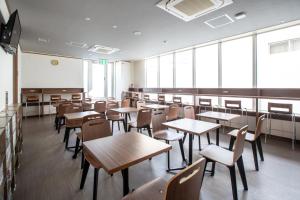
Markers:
point(82, 160)
point(96, 174)
point(199, 141)
point(168, 158)
point(129, 116)
point(259, 147)
point(181, 150)
point(255, 155)
point(240, 164)
point(112, 126)
point(76, 148)
point(124, 125)
point(149, 130)
point(129, 128)
point(213, 167)
point(119, 125)
point(233, 182)
point(67, 136)
point(84, 173)
point(232, 139)
point(208, 137)
point(59, 125)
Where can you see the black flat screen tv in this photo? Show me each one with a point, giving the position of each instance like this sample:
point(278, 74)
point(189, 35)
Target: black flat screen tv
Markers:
point(10, 33)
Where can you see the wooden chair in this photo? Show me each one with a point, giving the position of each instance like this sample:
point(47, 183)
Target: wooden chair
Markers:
point(60, 116)
point(76, 98)
point(125, 104)
point(114, 116)
point(78, 147)
point(32, 99)
point(100, 107)
point(161, 99)
point(185, 185)
point(140, 104)
point(143, 121)
point(177, 100)
point(54, 99)
point(146, 97)
point(214, 153)
point(91, 130)
point(254, 139)
point(205, 104)
point(160, 132)
point(173, 112)
point(235, 105)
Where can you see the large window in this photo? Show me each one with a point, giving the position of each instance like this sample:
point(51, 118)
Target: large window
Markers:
point(98, 81)
point(109, 86)
point(278, 62)
point(166, 71)
point(207, 67)
point(152, 72)
point(184, 69)
point(237, 63)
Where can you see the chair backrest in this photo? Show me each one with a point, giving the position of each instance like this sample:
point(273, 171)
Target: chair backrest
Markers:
point(125, 103)
point(55, 98)
point(187, 183)
point(205, 102)
point(110, 106)
point(239, 143)
point(92, 117)
point(157, 120)
point(259, 126)
point(140, 104)
point(94, 129)
point(73, 109)
point(146, 97)
point(100, 106)
point(62, 108)
point(173, 112)
point(76, 96)
point(144, 117)
point(189, 112)
point(233, 104)
point(283, 108)
point(32, 98)
point(177, 100)
point(87, 100)
point(161, 98)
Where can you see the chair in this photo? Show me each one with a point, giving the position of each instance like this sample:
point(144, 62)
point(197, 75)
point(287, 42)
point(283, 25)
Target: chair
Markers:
point(173, 112)
point(54, 99)
point(140, 104)
point(205, 103)
point(76, 98)
point(146, 97)
point(100, 107)
point(33, 99)
point(126, 104)
point(185, 185)
point(235, 105)
point(60, 116)
point(177, 100)
point(214, 153)
point(160, 132)
point(161, 99)
point(114, 116)
point(143, 121)
point(91, 130)
point(254, 139)
point(78, 147)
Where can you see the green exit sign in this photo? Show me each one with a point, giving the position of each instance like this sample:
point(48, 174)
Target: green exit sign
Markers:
point(103, 61)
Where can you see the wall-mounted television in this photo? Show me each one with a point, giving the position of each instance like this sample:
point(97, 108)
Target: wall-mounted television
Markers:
point(10, 33)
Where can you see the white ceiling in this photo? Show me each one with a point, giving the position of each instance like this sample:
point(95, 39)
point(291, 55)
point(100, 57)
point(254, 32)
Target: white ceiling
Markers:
point(62, 21)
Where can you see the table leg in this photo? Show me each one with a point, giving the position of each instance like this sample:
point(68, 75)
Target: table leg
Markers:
point(190, 149)
point(218, 134)
point(126, 121)
point(125, 182)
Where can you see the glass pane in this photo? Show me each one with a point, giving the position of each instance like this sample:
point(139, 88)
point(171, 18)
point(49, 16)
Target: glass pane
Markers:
point(184, 69)
point(281, 69)
point(166, 71)
point(207, 67)
point(110, 80)
point(237, 63)
point(151, 72)
point(98, 72)
point(85, 75)
point(118, 77)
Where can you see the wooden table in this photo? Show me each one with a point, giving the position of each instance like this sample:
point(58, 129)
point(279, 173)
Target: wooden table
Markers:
point(192, 127)
point(155, 106)
point(75, 118)
point(218, 116)
point(125, 111)
point(119, 152)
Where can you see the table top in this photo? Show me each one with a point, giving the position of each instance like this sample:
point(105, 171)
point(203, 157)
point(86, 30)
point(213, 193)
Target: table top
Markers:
point(79, 115)
point(218, 116)
point(125, 110)
point(156, 106)
point(192, 126)
point(115, 153)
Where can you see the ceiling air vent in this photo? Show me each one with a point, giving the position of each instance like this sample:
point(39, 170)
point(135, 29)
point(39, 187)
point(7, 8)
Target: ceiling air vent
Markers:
point(77, 44)
point(219, 21)
point(103, 49)
point(191, 9)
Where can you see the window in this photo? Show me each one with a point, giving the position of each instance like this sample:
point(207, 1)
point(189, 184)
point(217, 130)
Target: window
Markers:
point(166, 71)
point(184, 69)
point(207, 67)
point(110, 79)
point(237, 63)
point(86, 75)
point(98, 81)
point(278, 63)
point(151, 72)
point(118, 78)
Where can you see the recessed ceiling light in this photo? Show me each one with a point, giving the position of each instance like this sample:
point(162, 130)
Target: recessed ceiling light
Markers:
point(43, 40)
point(87, 19)
point(137, 33)
point(114, 26)
point(165, 41)
point(240, 15)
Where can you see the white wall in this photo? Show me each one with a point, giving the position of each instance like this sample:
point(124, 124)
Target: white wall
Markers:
point(139, 74)
point(37, 72)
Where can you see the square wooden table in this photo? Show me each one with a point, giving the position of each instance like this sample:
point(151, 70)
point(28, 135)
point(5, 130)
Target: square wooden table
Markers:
point(218, 116)
point(156, 106)
point(192, 127)
point(125, 111)
point(119, 152)
point(75, 118)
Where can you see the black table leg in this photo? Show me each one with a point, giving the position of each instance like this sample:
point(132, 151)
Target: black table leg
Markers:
point(125, 182)
point(218, 134)
point(126, 121)
point(190, 149)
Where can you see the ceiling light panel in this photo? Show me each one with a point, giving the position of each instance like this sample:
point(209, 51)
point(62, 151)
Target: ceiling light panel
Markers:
point(220, 21)
point(81, 45)
point(103, 49)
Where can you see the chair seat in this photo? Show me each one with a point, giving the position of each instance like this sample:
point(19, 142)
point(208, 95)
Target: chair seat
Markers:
point(153, 190)
point(218, 154)
point(115, 117)
point(249, 136)
point(167, 135)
